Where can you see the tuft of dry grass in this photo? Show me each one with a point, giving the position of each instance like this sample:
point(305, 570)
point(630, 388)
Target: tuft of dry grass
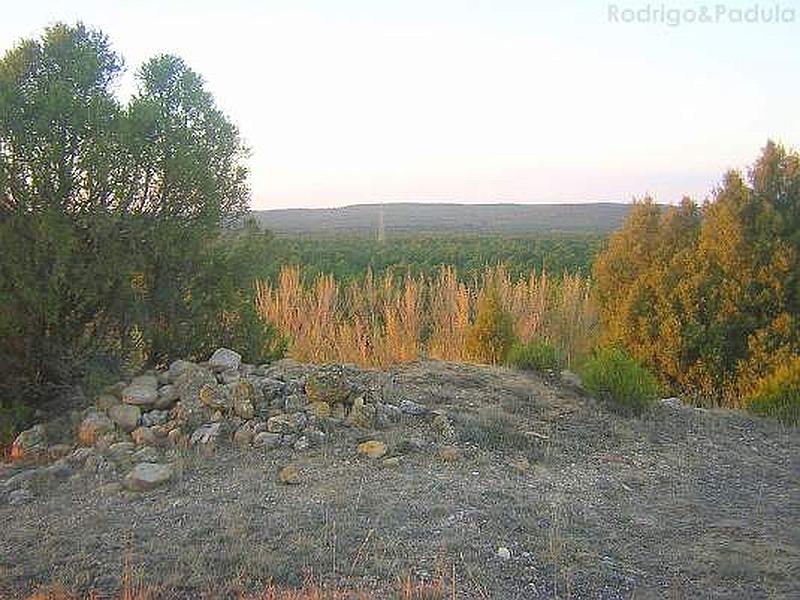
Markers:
point(378, 323)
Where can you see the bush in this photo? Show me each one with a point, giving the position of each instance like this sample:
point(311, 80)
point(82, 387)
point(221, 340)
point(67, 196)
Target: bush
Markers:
point(616, 378)
point(537, 355)
point(778, 394)
point(491, 336)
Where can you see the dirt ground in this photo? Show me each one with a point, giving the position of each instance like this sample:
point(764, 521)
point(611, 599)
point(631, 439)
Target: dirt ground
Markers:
point(679, 503)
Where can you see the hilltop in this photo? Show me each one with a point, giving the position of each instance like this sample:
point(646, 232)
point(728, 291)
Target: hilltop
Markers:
point(409, 218)
point(521, 487)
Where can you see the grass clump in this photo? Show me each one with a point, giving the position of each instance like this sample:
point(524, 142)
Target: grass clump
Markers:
point(537, 355)
point(778, 394)
point(616, 378)
point(494, 429)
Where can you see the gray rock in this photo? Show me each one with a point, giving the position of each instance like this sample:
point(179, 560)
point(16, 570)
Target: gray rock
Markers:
point(295, 403)
point(673, 403)
point(93, 427)
point(125, 415)
point(149, 381)
point(387, 414)
point(167, 397)
point(206, 434)
point(410, 407)
point(178, 368)
point(155, 417)
point(147, 454)
point(230, 376)
point(23, 478)
point(266, 440)
point(139, 395)
point(20, 496)
point(146, 476)
point(224, 359)
point(287, 423)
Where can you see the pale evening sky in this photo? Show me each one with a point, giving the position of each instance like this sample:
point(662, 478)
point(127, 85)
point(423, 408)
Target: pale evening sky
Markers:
point(353, 101)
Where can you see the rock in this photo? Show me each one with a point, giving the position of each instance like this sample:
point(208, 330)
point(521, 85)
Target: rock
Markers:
point(79, 456)
point(148, 381)
point(231, 376)
point(207, 434)
point(243, 436)
point(289, 475)
point(391, 462)
point(295, 402)
point(266, 440)
point(315, 437)
point(224, 359)
point(57, 451)
point(409, 407)
point(163, 378)
point(386, 415)
point(571, 379)
point(214, 397)
point(503, 553)
point(143, 436)
point(361, 414)
point(449, 453)
point(105, 441)
point(29, 443)
point(328, 386)
point(125, 415)
point(106, 401)
point(178, 368)
point(410, 444)
point(121, 451)
point(372, 448)
point(673, 403)
point(58, 471)
point(189, 383)
point(146, 454)
point(319, 409)
point(242, 396)
point(287, 423)
point(21, 479)
point(301, 443)
point(94, 426)
point(155, 417)
point(146, 476)
point(21, 496)
point(167, 397)
point(268, 389)
point(139, 395)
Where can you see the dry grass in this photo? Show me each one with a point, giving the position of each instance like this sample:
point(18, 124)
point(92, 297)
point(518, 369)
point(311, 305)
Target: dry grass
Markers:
point(393, 320)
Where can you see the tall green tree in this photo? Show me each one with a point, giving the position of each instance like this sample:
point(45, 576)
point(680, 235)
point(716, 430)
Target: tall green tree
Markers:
point(120, 224)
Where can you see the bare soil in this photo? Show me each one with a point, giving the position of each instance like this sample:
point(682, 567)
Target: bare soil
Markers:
point(678, 503)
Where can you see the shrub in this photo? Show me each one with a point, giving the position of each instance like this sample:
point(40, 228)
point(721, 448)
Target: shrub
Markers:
point(620, 380)
point(492, 335)
point(537, 355)
point(778, 394)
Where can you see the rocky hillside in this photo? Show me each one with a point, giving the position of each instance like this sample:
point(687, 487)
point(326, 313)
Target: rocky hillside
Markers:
point(212, 479)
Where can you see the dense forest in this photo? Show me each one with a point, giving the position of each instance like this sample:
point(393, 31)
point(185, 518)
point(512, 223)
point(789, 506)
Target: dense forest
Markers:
point(349, 257)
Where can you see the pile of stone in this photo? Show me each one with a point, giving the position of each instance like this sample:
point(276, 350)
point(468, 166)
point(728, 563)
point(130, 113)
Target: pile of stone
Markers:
point(136, 426)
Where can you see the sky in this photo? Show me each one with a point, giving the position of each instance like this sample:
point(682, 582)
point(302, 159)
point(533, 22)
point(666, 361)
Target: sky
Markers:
point(364, 101)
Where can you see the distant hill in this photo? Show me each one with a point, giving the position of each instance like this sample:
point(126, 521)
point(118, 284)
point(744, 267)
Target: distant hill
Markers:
point(364, 219)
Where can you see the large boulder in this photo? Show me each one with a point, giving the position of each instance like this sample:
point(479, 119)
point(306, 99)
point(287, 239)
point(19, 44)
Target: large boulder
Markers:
point(214, 396)
point(93, 426)
point(167, 397)
point(140, 395)
point(224, 359)
point(146, 476)
point(287, 423)
point(125, 415)
point(329, 386)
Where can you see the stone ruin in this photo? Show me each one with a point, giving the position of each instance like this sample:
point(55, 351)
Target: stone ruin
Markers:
point(136, 428)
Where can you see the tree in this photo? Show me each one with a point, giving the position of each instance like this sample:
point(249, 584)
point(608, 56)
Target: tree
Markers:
point(708, 299)
point(121, 229)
